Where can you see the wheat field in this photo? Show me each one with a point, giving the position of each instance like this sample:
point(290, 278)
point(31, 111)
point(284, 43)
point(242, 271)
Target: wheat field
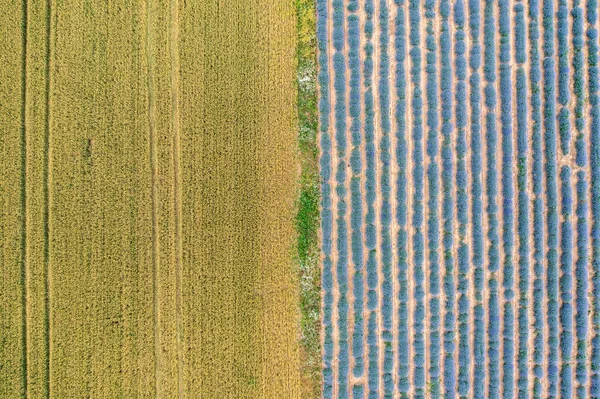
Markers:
point(148, 179)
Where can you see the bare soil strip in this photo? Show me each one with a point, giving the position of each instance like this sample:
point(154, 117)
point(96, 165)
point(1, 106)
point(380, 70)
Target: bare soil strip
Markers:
point(515, 201)
point(588, 173)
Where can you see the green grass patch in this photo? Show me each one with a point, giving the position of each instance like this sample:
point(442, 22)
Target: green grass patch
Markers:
point(307, 218)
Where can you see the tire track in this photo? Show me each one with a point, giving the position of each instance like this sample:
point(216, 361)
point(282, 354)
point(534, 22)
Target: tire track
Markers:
point(24, 278)
point(47, 195)
point(36, 119)
point(154, 190)
point(174, 64)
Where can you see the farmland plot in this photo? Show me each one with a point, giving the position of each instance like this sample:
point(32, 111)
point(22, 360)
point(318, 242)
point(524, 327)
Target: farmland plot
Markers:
point(460, 203)
point(143, 147)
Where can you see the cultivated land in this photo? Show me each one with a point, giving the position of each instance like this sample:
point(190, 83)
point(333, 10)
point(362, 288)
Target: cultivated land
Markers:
point(460, 156)
point(148, 179)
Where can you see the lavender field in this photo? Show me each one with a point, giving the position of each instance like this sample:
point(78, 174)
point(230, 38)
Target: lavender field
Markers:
point(460, 210)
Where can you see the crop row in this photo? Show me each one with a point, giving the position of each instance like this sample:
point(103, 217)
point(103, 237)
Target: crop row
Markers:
point(563, 75)
point(581, 274)
point(581, 277)
point(506, 113)
point(566, 258)
point(464, 355)
point(566, 284)
point(479, 364)
point(578, 79)
point(433, 227)
point(523, 204)
point(385, 208)
point(371, 190)
point(372, 342)
point(551, 197)
point(506, 85)
point(447, 201)
point(339, 65)
point(492, 207)
point(418, 359)
point(523, 231)
point(538, 208)
point(326, 215)
point(493, 341)
point(593, 85)
point(404, 359)
point(356, 218)
point(523, 213)
point(520, 35)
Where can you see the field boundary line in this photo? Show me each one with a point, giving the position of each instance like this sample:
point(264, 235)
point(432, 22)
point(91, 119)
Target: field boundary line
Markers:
point(47, 185)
